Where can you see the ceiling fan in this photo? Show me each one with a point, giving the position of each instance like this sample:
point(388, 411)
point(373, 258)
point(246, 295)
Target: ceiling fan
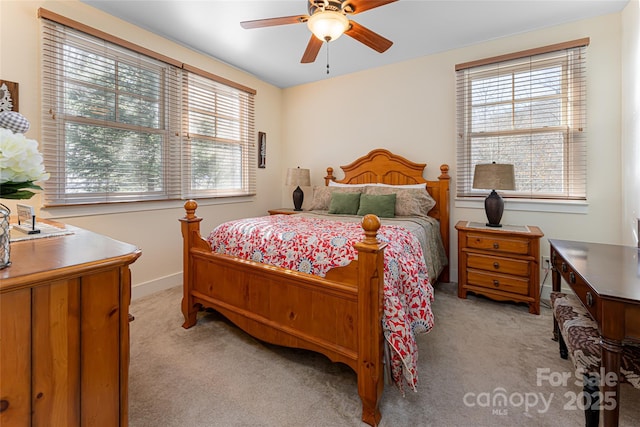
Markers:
point(327, 20)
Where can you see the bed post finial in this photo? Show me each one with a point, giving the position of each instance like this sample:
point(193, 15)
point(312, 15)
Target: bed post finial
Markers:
point(329, 176)
point(371, 225)
point(190, 207)
point(444, 172)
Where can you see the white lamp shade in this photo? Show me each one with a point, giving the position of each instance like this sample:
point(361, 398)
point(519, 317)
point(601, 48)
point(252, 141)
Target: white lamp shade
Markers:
point(328, 25)
point(298, 177)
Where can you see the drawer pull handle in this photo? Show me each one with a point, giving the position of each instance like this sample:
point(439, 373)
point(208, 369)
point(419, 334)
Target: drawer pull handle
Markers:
point(572, 277)
point(496, 245)
point(496, 283)
point(564, 267)
point(496, 265)
point(589, 299)
point(4, 405)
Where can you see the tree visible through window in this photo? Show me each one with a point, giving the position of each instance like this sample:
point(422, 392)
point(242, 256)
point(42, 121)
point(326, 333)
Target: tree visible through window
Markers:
point(213, 129)
point(121, 126)
point(112, 129)
point(528, 111)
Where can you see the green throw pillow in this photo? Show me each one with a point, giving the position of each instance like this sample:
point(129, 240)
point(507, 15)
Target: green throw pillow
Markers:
point(344, 203)
point(383, 205)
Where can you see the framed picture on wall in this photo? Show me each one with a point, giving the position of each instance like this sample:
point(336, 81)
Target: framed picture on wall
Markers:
point(262, 150)
point(8, 96)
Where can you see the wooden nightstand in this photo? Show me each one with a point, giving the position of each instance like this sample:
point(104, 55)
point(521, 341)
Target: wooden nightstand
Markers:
point(500, 263)
point(283, 211)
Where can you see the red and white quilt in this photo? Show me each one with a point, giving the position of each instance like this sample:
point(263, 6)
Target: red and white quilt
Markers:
point(314, 246)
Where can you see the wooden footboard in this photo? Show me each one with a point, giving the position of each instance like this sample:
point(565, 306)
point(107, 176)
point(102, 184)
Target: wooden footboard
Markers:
point(339, 315)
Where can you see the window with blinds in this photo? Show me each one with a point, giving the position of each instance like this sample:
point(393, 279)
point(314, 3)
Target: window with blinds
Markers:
point(219, 128)
point(121, 126)
point(527, 109)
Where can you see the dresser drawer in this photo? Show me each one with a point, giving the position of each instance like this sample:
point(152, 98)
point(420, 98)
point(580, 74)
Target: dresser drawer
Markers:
point(500, 282)
point(589, 299)
point(498, 244)
point(498, 264)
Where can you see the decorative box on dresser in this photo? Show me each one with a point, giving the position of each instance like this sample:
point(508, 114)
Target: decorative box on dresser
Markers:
point(501, 263)
point(64, 329)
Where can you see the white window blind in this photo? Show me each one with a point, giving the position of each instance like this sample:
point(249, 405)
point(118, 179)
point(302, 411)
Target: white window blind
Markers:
point(219, 134)
point(121, 126)
point(527, 109)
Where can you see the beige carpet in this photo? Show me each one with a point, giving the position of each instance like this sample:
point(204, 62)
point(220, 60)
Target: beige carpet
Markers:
point(479, 351)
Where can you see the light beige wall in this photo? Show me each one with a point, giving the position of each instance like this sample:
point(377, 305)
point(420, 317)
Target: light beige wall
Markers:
point(409, 108)
point(630, 121)
point(155, 230)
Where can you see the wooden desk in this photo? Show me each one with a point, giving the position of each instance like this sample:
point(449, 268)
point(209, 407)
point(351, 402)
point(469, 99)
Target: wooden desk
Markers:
point(606, 278)
point(64, 328)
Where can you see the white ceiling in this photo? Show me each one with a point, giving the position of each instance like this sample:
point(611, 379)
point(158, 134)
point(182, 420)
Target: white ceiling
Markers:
point(417, 28)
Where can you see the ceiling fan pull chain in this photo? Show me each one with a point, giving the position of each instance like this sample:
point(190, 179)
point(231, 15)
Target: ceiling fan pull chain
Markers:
point(327, 56)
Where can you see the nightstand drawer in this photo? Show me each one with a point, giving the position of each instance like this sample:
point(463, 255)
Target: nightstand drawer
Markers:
point(498, 244)
point(497, 264)
point(501, 282)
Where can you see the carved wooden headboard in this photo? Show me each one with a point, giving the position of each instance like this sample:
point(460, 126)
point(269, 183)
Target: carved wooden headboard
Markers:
point(382, 166)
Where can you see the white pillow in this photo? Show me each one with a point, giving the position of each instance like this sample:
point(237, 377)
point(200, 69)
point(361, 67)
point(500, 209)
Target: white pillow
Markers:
point(339, 184)
point(423, 185)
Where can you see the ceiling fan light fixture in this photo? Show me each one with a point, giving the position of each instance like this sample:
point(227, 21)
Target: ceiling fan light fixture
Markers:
point(328, 25)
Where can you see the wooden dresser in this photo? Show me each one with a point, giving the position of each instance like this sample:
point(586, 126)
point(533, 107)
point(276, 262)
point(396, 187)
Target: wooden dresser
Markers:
point(500, 263)
point(64, 331)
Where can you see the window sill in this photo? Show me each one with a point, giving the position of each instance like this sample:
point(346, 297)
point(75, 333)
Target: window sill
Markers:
point(530, 205)
point(129, 207)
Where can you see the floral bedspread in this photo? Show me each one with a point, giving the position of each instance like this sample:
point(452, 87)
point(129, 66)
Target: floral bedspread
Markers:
point(314, 246)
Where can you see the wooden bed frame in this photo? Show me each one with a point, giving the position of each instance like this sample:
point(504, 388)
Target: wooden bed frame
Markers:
point(339, 315)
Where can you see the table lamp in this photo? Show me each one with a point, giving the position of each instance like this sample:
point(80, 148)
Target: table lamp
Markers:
point(299, 178)
point(494, 176)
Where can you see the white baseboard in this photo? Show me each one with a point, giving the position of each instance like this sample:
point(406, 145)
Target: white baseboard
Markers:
point(147, 288)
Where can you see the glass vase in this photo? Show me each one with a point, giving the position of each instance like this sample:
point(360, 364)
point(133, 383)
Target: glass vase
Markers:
point(5, 249)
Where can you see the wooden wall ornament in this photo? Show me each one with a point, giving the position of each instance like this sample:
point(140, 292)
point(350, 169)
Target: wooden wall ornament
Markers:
point(8, 96)
point(262, 150)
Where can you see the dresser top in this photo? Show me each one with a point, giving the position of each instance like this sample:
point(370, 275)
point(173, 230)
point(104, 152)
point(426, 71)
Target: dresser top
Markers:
point(52, 258)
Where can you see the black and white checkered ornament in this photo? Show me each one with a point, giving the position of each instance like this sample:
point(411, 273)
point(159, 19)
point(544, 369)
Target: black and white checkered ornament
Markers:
point(14, 121)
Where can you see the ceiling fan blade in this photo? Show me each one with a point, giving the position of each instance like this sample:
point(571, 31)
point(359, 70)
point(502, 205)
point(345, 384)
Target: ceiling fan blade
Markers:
point(360, 6)
point(312, 50)
point(364, 35)
point(272, 22)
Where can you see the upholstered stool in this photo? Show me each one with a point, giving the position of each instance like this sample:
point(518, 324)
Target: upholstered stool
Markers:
point(579, 339)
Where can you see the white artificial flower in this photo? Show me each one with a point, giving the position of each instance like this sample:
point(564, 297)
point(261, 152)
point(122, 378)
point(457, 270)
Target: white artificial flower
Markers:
point(20, 160)
point(20, 165)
